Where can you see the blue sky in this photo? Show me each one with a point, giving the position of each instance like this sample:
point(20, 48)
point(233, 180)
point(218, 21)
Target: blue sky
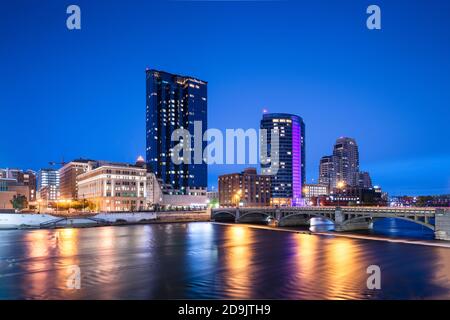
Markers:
point(82, 93)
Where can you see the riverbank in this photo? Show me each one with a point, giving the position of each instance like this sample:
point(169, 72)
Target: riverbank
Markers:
point(431, 243)
point(46, 221)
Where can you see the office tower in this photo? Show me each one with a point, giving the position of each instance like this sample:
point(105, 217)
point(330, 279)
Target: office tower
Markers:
point(364, 180)
point(175, 102)
point(346, 162)
point(247, 188)
point(286, 184)
point(69, 177)
point(326, 170)
point(48, 184)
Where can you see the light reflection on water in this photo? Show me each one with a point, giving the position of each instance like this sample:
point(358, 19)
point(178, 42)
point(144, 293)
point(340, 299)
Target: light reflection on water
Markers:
point(205, 260)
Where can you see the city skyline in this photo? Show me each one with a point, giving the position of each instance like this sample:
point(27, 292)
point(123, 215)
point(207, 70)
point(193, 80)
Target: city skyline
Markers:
point(229, 158)
point(98, 86)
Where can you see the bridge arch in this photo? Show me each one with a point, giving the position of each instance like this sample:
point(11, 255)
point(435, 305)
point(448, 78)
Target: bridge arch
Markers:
point(223, 214)
point(368, 217)
point(255, 214)
point(307, 215)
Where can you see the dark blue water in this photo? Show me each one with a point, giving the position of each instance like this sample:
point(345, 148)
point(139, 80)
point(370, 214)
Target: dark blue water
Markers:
point(388, 227)
point(206, 260)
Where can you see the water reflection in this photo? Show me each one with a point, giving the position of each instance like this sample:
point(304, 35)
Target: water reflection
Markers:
point(38, 243)
point(204, 260)
point(441, 274)
point(347, 273)
point(237, 258)
point(306, 249)
point(201, 256)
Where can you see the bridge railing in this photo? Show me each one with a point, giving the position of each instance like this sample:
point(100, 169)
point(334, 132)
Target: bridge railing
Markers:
point(393, 210)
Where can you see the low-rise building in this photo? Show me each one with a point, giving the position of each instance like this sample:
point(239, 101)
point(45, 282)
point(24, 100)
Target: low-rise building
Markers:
point(10, 188)
point(114, 186)
point(164, 196)
point(313, 191)
point(29, 179)
point(212, 195)
point(22, 178)
point(68, 177)
point(246, 188)
point(154, 191)
point(355, 196)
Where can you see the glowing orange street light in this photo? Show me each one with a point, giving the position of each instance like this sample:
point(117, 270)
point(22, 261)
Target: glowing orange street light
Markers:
point(39, 205)
point(237, 196)
point(340, 185)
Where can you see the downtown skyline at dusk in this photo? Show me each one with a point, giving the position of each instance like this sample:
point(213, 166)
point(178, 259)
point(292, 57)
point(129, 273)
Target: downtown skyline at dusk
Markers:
point(82, 93)
point(224, 158)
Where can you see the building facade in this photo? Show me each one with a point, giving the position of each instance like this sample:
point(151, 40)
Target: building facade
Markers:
point(30, 180)
point(22, 178)
point(287, 183)
point(364, 180)
point(356, 196)
point(346, 162)
point(16, 174)
point(114, 186)
point(326, 170)
point(313, 192)
point(48, 182)
point(212, 195)
point(175, 102)
point(342, 168)
point(10, 188)
point(247, 189)
point(69, 178)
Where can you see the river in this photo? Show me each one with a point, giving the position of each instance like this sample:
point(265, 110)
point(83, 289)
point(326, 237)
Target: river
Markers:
point(211, 261)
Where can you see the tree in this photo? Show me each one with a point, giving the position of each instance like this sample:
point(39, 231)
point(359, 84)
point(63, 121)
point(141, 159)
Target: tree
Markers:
point(92, 206)
point(19, 202)
point(424, 201)
point(214, 203)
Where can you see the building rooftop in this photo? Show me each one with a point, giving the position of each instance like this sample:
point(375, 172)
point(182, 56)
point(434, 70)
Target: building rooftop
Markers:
point(280, 115)
point(149, 70)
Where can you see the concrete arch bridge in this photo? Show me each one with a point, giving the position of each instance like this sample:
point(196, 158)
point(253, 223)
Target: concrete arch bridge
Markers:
point(343, 218)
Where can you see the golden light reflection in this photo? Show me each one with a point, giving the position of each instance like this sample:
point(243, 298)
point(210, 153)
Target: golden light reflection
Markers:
point(238, 261)
point(38, 246)
point(67, 243)
point(441, 272)
point(347, 269)
point(37, 243)
point(106, 237)
point(306, 258)
point(239, 233)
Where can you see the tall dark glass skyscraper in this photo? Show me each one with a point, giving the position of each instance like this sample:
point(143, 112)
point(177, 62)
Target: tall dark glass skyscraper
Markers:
point(286, 187)
point(174, 102)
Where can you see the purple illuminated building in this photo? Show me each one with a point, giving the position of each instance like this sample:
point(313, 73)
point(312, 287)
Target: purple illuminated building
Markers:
point(286, 186)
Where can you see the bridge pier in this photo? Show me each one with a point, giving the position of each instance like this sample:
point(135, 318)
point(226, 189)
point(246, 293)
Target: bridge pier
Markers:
point(237, 215)
point(353, 226)
point(442, 225)
point(340, 223)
